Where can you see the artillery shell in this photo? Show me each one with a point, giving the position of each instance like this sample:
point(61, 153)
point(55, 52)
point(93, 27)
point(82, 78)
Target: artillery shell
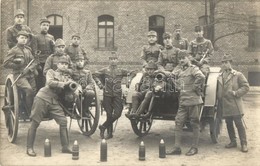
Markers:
point(103, 150)
point(162, 151)
point(47, 148)
point(141, 151)
point(75, 150)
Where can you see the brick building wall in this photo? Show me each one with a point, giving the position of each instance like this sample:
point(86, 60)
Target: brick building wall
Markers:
point(131, 19)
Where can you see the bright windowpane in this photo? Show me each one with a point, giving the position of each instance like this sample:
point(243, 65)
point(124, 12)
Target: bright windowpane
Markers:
point(58, 20)
point(102, 23)
point(51, 19)
point(102, 32)
point(102, 42)
point(110, 23)
point(109, 42)
point(110, 32)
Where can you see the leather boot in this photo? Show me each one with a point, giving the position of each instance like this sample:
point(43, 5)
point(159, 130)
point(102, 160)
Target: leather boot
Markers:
point(30, 139)
point(244, 148)
point(102, 131)
point(64, 139)
point(232, 144)
point(110, 132)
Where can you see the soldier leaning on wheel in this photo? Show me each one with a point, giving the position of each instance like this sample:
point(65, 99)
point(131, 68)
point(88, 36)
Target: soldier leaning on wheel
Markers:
point(232, 85)
point(17, 27)
point(190, 80)
point(17, 59)
point(47, 102)
point(84, 78)
point(152, 50)
point(109, 79)
point(43, 42)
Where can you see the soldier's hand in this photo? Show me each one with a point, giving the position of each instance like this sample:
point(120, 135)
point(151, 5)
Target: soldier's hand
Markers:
point(25, 71)
point(100, 85)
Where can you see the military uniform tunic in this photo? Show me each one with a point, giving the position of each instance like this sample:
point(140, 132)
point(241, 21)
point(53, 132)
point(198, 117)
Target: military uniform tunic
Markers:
point(168, 56)
point(74, 50)
point(151, 52)
point(12, 34)
point(181, 43)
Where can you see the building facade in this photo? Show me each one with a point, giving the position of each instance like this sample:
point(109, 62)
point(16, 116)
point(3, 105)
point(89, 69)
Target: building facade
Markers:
point(121, 26)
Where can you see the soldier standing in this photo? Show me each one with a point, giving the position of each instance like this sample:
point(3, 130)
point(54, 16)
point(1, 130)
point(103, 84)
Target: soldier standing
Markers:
point(232, 85)
point(52, 60)
point(178, 41)
point(17, 27)
point(74, 49)
point(17, 59)
point(169, 55)
point(109, 79)
point(190, 80)
point(47, 102)
point(152, 50)
point(84, 78)
point(43, 42)
point(198, 48)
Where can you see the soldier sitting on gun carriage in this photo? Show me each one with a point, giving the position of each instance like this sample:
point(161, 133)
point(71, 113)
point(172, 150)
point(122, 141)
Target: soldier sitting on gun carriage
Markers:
point(152, 50)
point(84, 78)
point(48, 103)
point(201, 49)
point(21, 60)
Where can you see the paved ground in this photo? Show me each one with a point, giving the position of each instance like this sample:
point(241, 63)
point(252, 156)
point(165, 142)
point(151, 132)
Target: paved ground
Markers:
point(123, 148)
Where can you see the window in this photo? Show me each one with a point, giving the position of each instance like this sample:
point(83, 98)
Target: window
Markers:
point(156, 23)
point(56, 25)
point(105, 31)
point(254, 33)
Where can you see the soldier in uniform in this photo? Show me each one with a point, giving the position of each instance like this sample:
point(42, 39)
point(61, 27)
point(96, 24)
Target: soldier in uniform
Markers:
point(198, 48)
point(47, 102)
point(178, 41)
point(169, 55)
point(17, 59)
point(190, 80)
point(17, 27)
point(109, 79)
point(232, 86)
point(52, 60)
point(152, 50)
point(143, 94)
point(84, 78)
point(43, 42)
point(74, 49)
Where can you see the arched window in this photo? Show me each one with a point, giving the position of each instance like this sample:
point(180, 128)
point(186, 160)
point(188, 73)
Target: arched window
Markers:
point(156, 23)
point(56, 25)
point(105, 31)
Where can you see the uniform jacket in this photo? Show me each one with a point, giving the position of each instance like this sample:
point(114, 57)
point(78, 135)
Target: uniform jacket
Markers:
point(12, 33)
point(181, 43)
point(229, 104)
point(190, 80)
point(73, 51)
point(52, 61)
point(146, 83)
point(168, 55)
point(111, 78)
point(84, 78)
point(198, 48)
point(44, 43)
point(55, 81)
point(151, 52)
point(23, 53)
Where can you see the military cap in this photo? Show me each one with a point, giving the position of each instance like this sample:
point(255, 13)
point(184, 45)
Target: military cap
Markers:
point(59, 42)
point(63, 59)
point(151, 65)
point(167, 35)
point(198, 28)
point(44, 20)
point(24, 33)
point(113, 55)
point(183, 53)
point(18, 12)
point(152, 33)
point(80, 56)
point(177, 26)
point(227, 57)
point(75, 35)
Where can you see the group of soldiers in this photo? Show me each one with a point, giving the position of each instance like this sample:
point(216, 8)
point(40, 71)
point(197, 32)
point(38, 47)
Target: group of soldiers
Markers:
point(44, 68)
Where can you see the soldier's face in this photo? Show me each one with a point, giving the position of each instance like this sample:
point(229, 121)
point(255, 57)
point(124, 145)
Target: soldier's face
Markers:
point(150, 71)
point(113, 61)
point(80, 63)
point(177, 32)
point(184, 60)
point(152, 39)
point(22, 39)
point(19, 19)
point(199, 34)
point(226, 65)
point(45, 26)
point(75, 40)
point(62, 66)
point(60, 49)
point(167, 41)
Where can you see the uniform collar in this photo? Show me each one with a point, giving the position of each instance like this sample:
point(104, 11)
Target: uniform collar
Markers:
point(200, 39)
point(20, 46)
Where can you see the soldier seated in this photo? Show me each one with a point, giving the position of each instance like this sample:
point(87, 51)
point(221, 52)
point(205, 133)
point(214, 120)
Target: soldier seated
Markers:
point(84, 78)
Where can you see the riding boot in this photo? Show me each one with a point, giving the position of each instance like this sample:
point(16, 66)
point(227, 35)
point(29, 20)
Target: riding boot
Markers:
point(110, 132)
point(30, 138)
point(102, 131)
point(64, 138)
